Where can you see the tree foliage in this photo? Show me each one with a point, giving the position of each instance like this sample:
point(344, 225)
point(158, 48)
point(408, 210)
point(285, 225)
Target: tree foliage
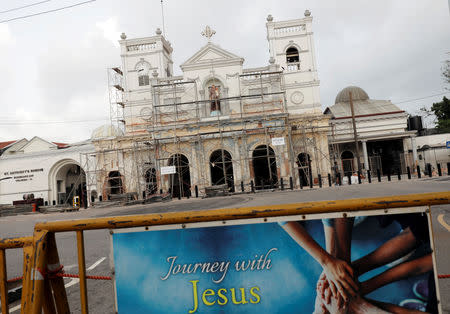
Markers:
point(446, 71)
point(442, 112)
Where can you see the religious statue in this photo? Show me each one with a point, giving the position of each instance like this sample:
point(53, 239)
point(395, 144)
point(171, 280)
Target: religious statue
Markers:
point(214, 97)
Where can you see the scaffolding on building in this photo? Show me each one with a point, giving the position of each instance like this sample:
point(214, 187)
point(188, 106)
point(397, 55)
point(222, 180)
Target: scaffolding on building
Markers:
point(178, 118)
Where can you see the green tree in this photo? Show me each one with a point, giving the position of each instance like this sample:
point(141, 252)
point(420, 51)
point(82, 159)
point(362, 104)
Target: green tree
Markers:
point(442, 112)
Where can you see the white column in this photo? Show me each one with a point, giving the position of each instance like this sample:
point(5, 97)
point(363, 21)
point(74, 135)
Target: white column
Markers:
point(414, 150)
point(366, 157)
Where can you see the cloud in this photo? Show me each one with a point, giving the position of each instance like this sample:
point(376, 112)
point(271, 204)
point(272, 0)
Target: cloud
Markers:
point(6, 37)
point(109, 28)
point(393, 50)
point(72, 77)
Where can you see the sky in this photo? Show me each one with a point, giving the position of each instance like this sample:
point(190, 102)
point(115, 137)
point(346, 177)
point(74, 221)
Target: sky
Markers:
point(53, 67)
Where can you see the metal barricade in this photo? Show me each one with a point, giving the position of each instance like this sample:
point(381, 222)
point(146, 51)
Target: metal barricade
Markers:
point(14, 243)
point(46, 292)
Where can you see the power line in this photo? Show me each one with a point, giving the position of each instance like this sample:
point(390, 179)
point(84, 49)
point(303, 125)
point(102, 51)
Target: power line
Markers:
point(45, 12)
point(425, 97)
point(25, 6)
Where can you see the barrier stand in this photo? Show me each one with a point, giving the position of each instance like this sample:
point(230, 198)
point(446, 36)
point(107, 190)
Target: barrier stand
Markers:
point(35, 299)
point(57, 283)
point(48, 303)
point(3, 282)
point(11, 243)
point(82, 272)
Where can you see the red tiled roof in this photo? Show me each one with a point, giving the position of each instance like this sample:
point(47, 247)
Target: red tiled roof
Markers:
point(4, 144)
point(60, 145)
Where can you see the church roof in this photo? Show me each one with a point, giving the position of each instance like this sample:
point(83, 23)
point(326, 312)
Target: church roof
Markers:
point(363, 108)
point(211, 53)
point(5, 144)
point(362, 105)
point(357, 94)
point(106, 131)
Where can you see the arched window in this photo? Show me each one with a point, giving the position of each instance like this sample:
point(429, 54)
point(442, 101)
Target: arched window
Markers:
point(292, 59)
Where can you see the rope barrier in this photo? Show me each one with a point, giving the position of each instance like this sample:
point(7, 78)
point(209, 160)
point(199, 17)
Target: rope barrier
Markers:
point(59, 272)
point(443, 276)
point(87, 277)
point(15, 279)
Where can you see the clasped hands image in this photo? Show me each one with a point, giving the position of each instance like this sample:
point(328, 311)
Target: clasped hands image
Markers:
point(339, 289)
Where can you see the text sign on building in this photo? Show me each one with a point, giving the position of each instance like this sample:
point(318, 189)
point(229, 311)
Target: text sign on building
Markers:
point(277, 141)
point(448, 144)
point(257, 267)
point(168, 170)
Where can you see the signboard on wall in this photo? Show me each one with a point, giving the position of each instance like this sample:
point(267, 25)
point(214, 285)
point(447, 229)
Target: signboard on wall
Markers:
point(277, 141)
point(448, 144)
point(270, 267)
point(23, 174)
point(168, 170)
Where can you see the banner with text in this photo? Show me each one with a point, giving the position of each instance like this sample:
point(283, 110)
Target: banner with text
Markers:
point(372, 263)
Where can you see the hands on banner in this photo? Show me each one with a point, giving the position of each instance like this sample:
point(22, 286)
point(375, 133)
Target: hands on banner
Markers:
point(338, 289)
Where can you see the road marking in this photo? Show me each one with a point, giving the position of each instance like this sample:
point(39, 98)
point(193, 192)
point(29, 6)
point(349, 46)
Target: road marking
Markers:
point(96, 263)
point(74, 281)
point(441, 220)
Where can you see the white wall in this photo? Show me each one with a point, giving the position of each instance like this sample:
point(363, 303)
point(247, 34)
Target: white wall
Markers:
point(30, 173)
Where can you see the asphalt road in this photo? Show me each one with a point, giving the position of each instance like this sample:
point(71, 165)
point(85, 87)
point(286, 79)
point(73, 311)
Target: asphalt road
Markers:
point(101, 294)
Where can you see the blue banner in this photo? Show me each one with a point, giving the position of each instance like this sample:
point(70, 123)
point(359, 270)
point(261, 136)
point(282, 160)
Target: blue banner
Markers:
point(294, 267)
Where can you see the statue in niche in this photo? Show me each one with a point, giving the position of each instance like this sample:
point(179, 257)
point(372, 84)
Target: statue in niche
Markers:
point(214, 97)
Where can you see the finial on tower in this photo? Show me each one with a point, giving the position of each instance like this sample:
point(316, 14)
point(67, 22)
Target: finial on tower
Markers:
point(307, 13)
point(123, 36)
point(208, 32)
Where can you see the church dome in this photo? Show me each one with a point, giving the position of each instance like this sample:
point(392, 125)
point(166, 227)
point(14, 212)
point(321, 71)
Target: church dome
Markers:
point(357, 94)
point(106, 131)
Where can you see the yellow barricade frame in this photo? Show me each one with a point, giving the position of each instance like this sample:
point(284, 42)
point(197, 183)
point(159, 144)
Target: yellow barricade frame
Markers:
point(48, 294)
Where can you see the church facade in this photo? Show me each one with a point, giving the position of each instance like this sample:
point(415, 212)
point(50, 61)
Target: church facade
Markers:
point(217, 124)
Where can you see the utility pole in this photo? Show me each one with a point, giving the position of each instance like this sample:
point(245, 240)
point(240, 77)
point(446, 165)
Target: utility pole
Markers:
point(355, 134)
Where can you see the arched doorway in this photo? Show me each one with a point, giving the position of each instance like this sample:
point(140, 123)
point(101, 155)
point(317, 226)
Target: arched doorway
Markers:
point(264, 167)
point(115, 184)
point(304, 168)
point(151, 186)
point(180, 182)
point(221, 168)
point(347, 162)
point(70, 181)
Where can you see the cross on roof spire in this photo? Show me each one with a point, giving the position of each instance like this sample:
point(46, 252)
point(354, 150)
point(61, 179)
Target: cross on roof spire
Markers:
point(208, 32)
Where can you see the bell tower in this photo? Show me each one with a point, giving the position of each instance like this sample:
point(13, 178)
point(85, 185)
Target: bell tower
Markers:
point(142, 57)
point(291, 48)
